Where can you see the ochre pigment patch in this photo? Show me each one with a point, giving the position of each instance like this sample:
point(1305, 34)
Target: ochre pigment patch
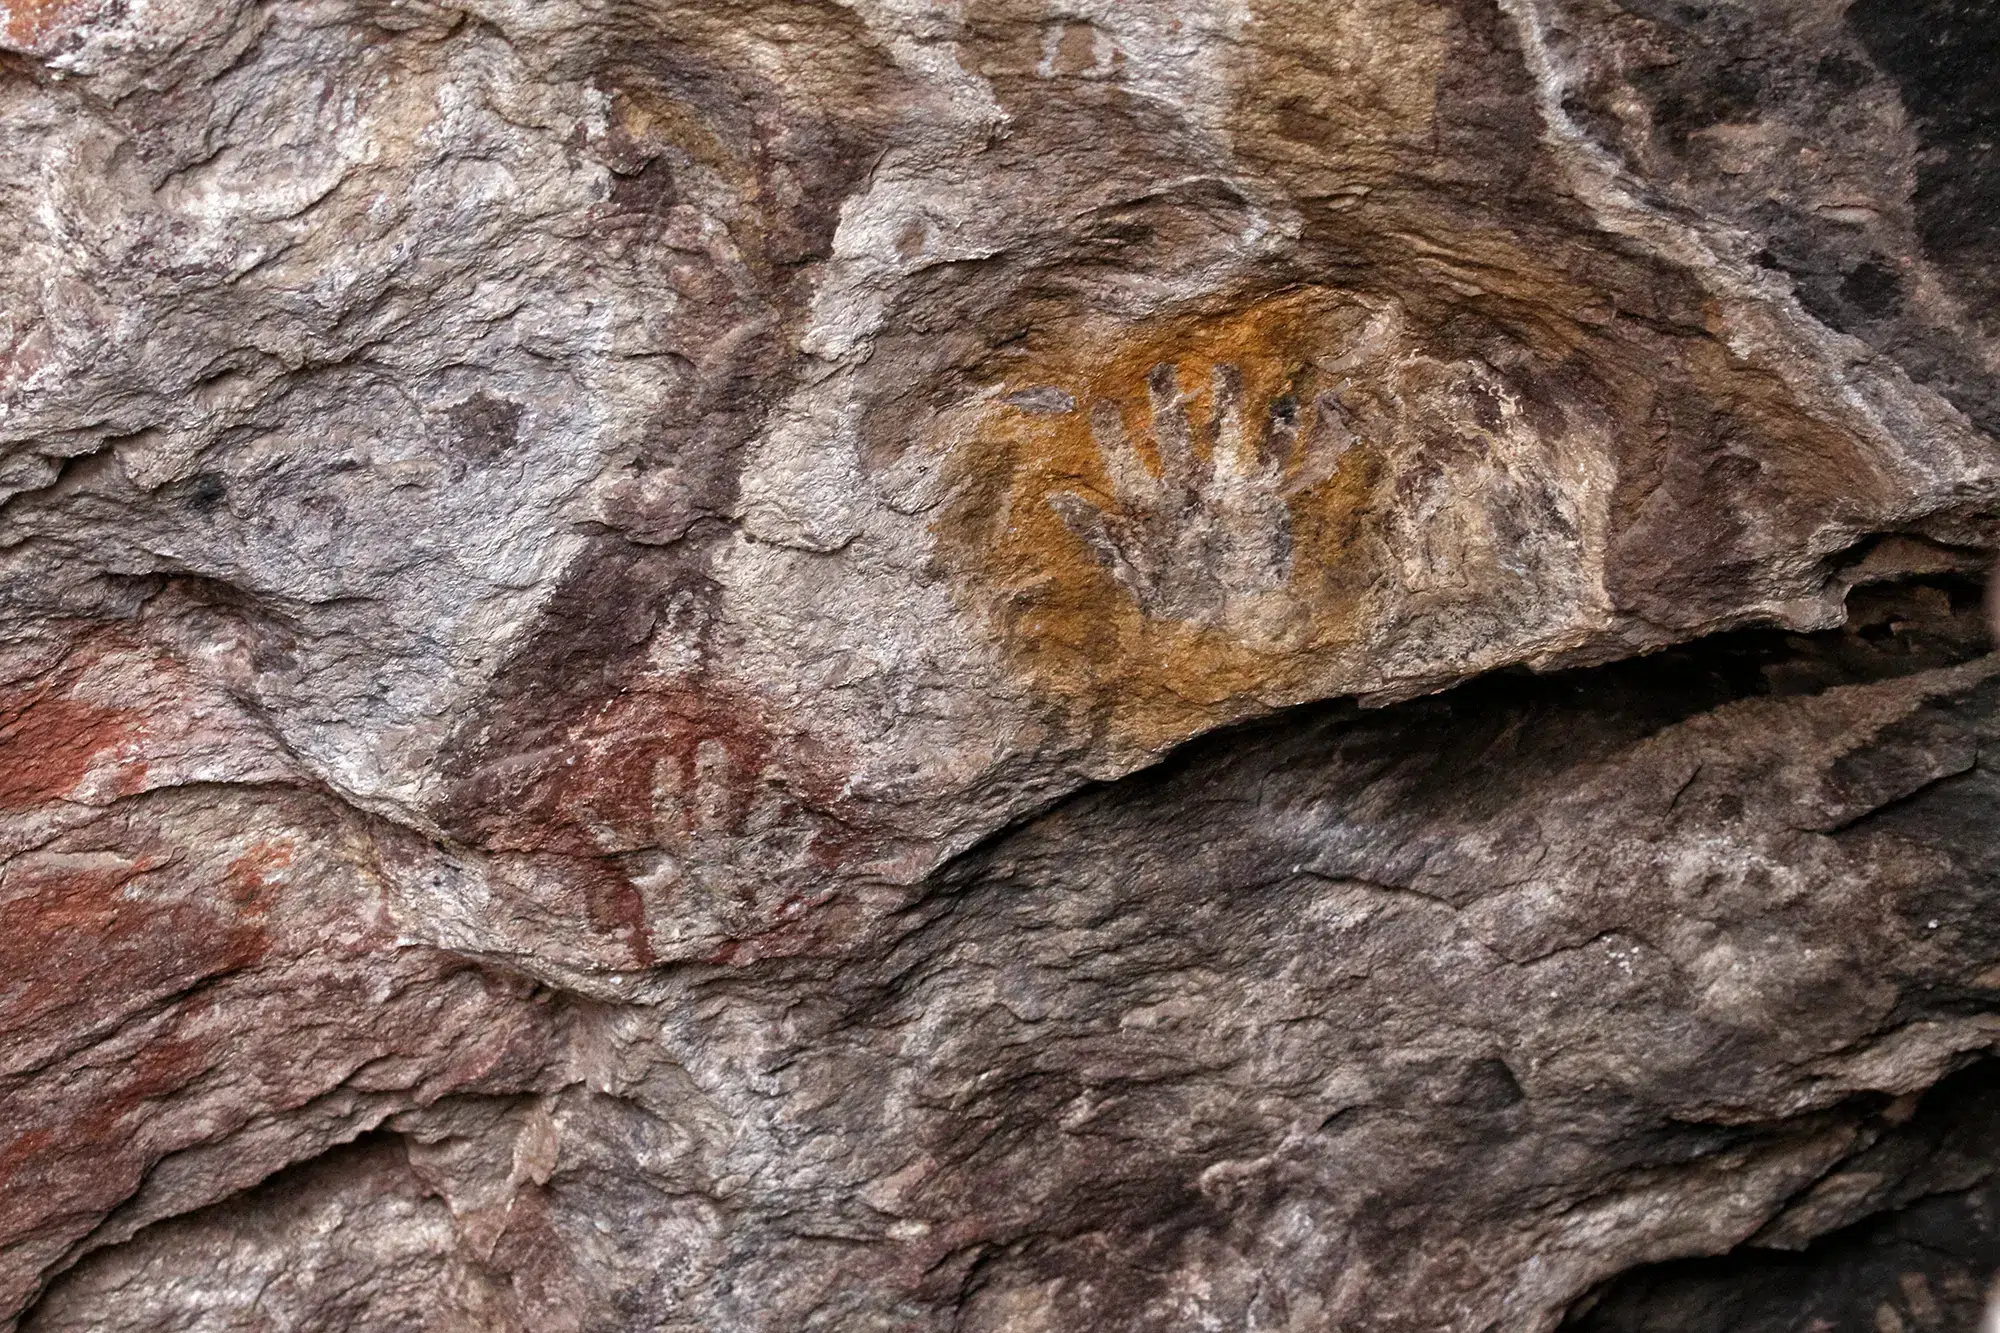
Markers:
point(663, 762)
point(58, 742)
point(38, 27)
point(1074, 500)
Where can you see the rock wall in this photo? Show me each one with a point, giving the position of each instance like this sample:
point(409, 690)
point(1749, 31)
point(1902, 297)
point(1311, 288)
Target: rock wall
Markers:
point(1032, 665)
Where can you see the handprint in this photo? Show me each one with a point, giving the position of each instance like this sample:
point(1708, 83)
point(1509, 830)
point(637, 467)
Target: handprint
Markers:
point(1206, 538)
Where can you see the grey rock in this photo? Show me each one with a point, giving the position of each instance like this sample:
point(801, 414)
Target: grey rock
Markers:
point(772, 664)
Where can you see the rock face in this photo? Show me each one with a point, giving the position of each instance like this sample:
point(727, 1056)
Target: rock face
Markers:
point(1029, 665)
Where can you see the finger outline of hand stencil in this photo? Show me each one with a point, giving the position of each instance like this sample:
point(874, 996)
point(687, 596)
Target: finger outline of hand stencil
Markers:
point(1204, 538)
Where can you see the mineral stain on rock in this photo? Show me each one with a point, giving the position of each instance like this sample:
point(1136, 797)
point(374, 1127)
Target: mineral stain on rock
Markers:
point(1162, 519)
point(997, 667)
point(41, 27)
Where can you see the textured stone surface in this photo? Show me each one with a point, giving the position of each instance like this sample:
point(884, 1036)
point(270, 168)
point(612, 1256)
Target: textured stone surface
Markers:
point(996, 665)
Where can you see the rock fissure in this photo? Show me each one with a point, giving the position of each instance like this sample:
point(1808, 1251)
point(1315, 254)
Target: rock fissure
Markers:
point(1255, 664)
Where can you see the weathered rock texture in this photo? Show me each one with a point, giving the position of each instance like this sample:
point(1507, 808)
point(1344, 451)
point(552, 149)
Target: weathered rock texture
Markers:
point(1032, 665)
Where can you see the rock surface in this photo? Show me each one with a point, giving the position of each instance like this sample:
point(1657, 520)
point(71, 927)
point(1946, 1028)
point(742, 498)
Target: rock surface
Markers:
point(997, 664)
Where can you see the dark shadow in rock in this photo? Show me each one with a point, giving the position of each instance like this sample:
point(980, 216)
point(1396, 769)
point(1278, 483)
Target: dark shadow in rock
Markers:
point(1920, 1265)
point(1941, 53)
point(349, 1240)
point(1892, 630)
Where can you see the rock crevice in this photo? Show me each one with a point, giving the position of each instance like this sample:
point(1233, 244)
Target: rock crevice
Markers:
point(747, 664)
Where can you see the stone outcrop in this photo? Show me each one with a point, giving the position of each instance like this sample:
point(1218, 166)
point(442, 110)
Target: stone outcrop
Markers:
point(984, 665)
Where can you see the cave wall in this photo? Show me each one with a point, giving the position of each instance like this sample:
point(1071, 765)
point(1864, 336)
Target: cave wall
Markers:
point(994, 664)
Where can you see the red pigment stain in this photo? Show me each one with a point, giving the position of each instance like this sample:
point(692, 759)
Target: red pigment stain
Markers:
point(49, 743)
point(92, 1165)
point(616, 907)
point(657, 764)
point(58, 736)
point(596, 791)
point(75, 941)
point(83, 731)
point(87, 941)
point(250, 876)
point(38, 27)
point(19, 1151)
